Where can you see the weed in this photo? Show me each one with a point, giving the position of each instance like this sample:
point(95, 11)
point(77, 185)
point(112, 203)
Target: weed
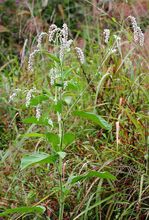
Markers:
point(81, 121)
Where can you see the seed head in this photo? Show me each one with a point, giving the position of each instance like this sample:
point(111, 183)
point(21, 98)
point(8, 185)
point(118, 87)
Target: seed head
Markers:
point(80, 55)
point(38, 112)
point(40, 37)
point(31, 60)
point(138, 34)
point(52, 30)
point(64, 32)
point(106, 35)
point(65, 43)
point(29, 96)
point(53, 75)
point(13, 95)
point(134, 26)
point(141, 37)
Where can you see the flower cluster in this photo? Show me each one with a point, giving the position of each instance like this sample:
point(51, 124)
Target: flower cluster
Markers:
point(62, 35)
point(65, 43)
point(53, 29)
point(29, 96)
point(53, 75)
point(80, 55)
point(141, 37)
point(14, 94)
point(31, 59)
point(38, 112)
point(106, 33)
point(39, 39)
point(138, 34)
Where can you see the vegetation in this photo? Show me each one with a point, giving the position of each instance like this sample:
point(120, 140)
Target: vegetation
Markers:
point(74, 113)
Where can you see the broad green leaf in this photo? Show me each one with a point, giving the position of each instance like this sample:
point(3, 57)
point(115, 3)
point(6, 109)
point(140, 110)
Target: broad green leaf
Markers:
point(68, 138)
point(58, 107)
point(37, 158)
point(33, 120)
point(54, 140)
point(38, 99)
point(34, 209)
point(94, 118)
point(102, 175)
point(61, 154)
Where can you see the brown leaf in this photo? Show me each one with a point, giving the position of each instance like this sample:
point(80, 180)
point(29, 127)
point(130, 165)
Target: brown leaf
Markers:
point(3, 29)
point(23, 12)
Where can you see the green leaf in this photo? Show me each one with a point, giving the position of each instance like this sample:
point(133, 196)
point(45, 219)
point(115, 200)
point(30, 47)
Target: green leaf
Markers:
point(62, 154)
point(59, 84)
point(136, 122)
point(37, 158)
point(102, 175)
point(34, 209)
point(54, 58)
point(38, 99)
point(68, 138)
point(72, 86)
point(94, 118)
point(33, 135)
point(33, 120)
point(58, 107)
point(54, 140)
point(114, 19)
point(66, 73)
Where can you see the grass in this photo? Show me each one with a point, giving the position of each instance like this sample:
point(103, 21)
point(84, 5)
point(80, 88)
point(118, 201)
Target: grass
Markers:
point(99, 132)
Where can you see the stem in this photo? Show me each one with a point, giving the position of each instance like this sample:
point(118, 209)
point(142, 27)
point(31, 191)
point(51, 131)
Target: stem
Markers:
point(88, 79)
point(61, 128)
point(99, 87)
point(147, 146)
point(61, 210)
point(61, 168)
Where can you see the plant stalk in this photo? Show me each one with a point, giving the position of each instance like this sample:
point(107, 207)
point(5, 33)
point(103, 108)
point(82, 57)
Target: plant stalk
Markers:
point(61, 127)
